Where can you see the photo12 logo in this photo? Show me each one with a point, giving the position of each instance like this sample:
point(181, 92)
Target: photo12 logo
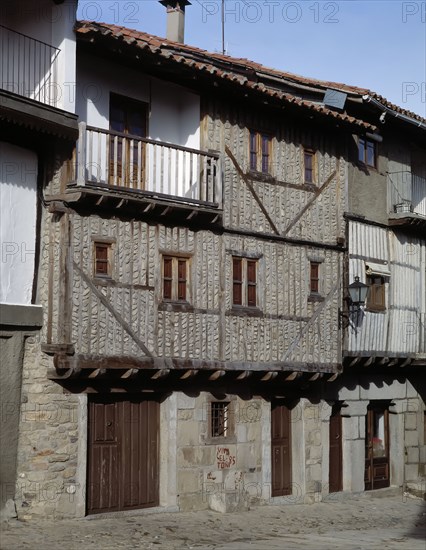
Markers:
point(270, 11)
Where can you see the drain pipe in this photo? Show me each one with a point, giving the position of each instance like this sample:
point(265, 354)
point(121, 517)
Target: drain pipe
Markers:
point(386, 110)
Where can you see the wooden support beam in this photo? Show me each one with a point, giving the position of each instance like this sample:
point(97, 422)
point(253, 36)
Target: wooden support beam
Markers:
point(368, 362)
point(314, 377)
point(406, 362)
point(97, 373)
point(149, 207)
point(162, 373)
point(354, 361)
point(384, 361)
point(100, 200)
point(217, 374)
point(130, 373)
point(333, 377)
point(292, 376)
point(269, 376)
point(189, 374)
point(121, 203)
point(165, 211)
point(393, 362)
point(192, 215)
point(244, 375)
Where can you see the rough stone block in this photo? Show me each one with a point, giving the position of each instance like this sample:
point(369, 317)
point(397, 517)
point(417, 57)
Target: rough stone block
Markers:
point(188, 481)
point(188, 433)
point(411, 472)
point(185, 402)
point(410, 421)
point(412, 438)
point(228, 502)
point(412, 455)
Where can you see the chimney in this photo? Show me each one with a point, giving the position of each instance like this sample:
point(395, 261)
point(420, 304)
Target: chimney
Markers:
point(175, 19)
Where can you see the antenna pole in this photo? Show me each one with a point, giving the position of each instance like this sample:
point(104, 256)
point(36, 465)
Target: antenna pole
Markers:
point(223, 27)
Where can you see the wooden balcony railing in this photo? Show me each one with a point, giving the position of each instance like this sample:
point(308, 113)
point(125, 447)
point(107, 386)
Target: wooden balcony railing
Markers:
point(28, 67)
point(407, 193)
point(126, 162)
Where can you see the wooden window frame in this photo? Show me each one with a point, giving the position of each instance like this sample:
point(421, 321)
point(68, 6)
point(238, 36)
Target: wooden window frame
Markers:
point(363, 145)
point(313, 170)
point(103, 245)
point(260, 160)
point(131, 173)
point(314, 278)
point(179, 284)
point(247, 295)
point(376, 296)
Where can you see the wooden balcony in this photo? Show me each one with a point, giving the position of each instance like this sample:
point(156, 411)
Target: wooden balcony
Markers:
point(149, 177)
point(407, 199)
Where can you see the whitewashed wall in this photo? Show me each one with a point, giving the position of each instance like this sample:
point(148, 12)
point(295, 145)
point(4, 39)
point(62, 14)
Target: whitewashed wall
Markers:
point(18, 202)
point(400, 328)
point(36, 72)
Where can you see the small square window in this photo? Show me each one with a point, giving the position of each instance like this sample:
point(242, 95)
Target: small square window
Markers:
point(175, 279)
point(220, 418)
point(244, 282)
point(367, 153)
point(376, 300)
point(309, 165)
point(260, 152)
point(102, 266)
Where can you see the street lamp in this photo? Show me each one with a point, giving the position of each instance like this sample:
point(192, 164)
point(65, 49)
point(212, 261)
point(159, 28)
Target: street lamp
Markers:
point(358, 293)
point(357, 297)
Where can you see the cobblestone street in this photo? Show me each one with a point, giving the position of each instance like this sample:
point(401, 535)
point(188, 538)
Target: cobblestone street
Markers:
point(366, 521)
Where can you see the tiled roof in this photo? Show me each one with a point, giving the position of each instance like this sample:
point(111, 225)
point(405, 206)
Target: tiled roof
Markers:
point(237, 70)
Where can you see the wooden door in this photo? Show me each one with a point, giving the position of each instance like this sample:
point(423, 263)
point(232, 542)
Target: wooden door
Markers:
point(281, 449)
point(335, 476)
point(122, 454)
point(126, 153)
point(377, 447)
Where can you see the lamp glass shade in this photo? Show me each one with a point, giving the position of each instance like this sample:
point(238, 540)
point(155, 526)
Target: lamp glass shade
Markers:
point(358, 292)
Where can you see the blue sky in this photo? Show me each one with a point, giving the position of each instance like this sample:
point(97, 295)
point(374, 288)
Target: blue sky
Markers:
point(379, 45)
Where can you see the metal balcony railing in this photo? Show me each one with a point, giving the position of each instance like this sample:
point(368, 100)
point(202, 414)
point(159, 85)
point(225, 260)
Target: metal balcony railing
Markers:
point(407, 193)
point(127, 162)
point(28, 67)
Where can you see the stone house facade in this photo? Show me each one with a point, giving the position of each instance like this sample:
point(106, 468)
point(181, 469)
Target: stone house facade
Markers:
point(194, 256)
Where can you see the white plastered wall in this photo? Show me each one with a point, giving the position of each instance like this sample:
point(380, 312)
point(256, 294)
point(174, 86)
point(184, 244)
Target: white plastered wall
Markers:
point(18, 203)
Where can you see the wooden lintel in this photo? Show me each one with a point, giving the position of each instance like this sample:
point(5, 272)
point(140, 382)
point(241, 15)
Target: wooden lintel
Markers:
point(56, 207)
point(188, 374)
point(162, 373)
point(217, 374)
point(52, 349)
point(269, 376)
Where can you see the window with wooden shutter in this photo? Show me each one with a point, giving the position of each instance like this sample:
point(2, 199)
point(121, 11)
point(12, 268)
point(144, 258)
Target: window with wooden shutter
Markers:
point(244, 282)
point(376, 300)
point(175, 279)
point(367, 152)
point(309, 165)
point(314, 277)
point(102, 260)
point(260, 152)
